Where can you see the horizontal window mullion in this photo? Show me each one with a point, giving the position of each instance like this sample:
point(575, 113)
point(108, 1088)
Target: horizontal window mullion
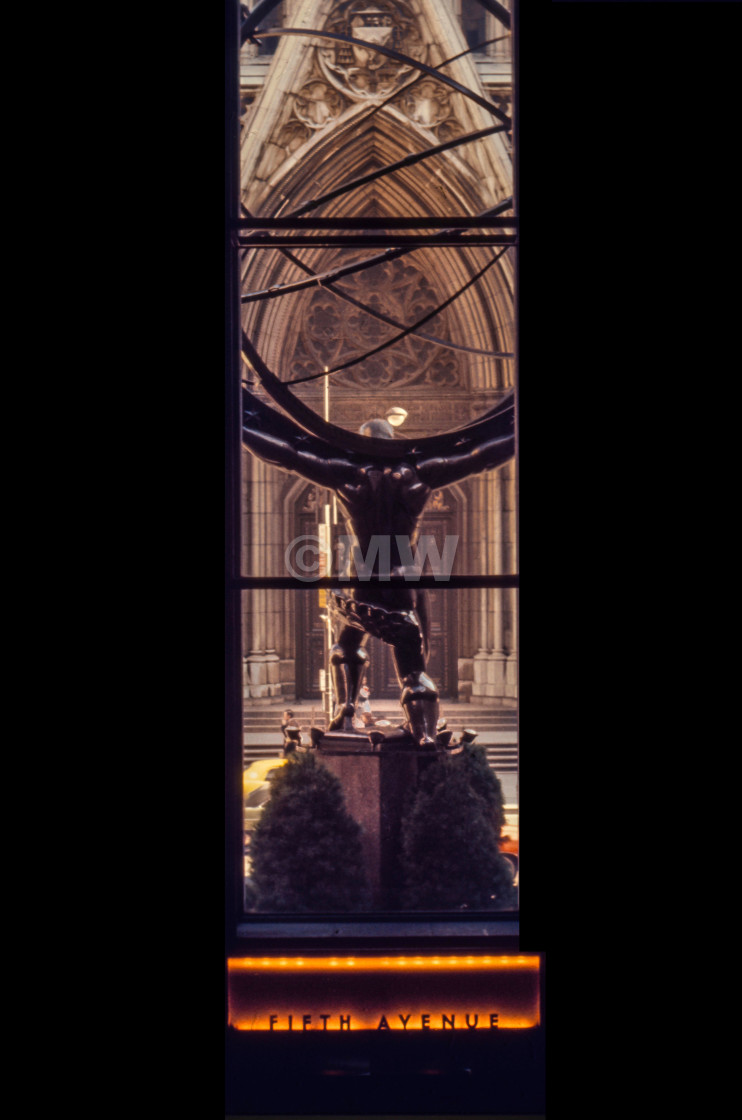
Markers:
point(471, 221)
point(360, 241)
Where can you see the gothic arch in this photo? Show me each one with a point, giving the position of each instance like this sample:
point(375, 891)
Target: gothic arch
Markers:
point(302, 140)
point(481, 316)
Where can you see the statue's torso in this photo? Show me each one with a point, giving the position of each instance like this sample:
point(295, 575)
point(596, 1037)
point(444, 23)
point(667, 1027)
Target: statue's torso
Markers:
point(382, 504)
point(387, 500)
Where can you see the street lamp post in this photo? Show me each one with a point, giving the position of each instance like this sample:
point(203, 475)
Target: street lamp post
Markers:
point(326, 549)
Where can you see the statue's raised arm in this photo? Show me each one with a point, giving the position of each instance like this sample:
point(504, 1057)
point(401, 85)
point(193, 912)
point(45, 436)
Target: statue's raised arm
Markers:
point(279, 441)
point(487, 445)
point(442, 471)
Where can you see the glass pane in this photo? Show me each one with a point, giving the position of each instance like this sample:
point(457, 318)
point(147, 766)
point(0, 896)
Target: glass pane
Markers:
point(431, 330)
point(429, 829)
point(421, 340)
point(440, 377)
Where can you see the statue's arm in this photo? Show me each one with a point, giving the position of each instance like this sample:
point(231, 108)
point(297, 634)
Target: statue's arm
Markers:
point(485, 456)
point(281, 452)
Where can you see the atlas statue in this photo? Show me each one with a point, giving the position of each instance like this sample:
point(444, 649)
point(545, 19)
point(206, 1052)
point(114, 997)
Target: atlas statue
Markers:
point(383, 494)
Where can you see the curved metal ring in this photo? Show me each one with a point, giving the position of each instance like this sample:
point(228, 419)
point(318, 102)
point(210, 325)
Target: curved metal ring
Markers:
point(380, 448)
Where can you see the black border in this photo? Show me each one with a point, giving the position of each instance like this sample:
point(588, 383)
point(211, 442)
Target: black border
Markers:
point(477, 1093)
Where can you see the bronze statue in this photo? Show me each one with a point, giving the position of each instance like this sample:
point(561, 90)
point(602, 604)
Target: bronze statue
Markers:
point(382, 495)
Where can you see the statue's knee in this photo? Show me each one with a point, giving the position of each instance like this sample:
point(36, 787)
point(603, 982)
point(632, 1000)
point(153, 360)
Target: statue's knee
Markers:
point(418, 686)
point(344, 655)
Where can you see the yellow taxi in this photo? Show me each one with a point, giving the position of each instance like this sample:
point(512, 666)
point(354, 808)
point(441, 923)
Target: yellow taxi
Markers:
point(256, 788)
point(262, 769)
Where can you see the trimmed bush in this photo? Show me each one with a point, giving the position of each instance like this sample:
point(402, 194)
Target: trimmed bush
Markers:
point(450, 854)
point(481, 777)
point(306, 849)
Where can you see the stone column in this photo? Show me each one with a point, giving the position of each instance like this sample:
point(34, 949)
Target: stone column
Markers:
point(262, 670)
point(493, 668)
point(510, 595)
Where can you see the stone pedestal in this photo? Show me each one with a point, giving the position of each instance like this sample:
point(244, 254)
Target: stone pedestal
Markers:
point(379, 779)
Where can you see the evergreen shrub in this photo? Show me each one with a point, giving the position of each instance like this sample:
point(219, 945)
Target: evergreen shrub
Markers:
point(450, 854)
point(306, 849)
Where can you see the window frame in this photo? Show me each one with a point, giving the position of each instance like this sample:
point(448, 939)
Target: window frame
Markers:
point(495, 930)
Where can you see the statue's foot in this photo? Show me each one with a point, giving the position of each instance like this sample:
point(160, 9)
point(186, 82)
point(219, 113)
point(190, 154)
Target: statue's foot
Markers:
point(343, 718)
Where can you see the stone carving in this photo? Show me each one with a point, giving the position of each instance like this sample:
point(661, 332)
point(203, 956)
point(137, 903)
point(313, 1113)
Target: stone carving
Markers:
point(247, 99)
point(362, 73)
point(311, 502)
point(293, 135)
point(345, 72)
point(428, 104)
point(317, 104)
point(333, 331)
point(503, 99)
point(437, 502)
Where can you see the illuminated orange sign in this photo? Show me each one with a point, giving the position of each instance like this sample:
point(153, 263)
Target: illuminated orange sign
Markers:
point(402, 993)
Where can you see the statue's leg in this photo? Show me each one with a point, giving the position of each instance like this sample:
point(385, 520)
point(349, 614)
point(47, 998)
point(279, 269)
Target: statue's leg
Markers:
point(419, 695)
point(347, 660)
